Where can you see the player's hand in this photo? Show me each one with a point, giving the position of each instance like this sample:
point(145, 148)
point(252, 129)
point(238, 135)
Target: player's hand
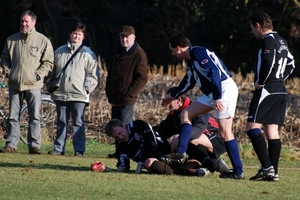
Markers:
point(167, 100)
point(219, 105)
point(121, 169)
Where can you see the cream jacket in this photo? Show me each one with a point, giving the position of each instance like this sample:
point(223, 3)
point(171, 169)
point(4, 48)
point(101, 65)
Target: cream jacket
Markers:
point(23, 57)
point(80, 77)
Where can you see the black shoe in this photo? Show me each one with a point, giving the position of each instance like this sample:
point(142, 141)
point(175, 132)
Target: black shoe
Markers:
point(35, 150)
point(113, 155)
point(174, 158)
point(274, 178)
point(55, 152)
point(232, 175)
point(78, 153)
point(263, 174)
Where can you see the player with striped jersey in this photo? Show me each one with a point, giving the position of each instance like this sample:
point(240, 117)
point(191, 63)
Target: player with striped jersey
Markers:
point(138, 141)
point(267, 108)
point(219, 94)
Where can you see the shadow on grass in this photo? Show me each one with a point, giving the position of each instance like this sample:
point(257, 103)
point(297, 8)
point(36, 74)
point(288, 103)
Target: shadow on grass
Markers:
point(46, 166)
point(54, 167)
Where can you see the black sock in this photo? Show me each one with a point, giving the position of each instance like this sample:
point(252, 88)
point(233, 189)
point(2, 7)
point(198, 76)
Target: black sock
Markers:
point(199, 153)
point(274, 150)
point(159, 167)
point(260, 147)
point(196, 152)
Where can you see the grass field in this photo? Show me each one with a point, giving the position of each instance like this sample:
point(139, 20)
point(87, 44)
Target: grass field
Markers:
point(25, 176)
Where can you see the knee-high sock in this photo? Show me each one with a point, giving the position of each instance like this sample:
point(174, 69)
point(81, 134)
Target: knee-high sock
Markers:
point(185, 131)
point(234, 155)
point(274, 149)
point(260, 146)
point(159, 167)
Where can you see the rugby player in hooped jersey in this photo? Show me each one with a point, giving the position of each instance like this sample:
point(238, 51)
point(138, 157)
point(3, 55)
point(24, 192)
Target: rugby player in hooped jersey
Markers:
point(141, 143)
point(267, 108)
point(219, 94)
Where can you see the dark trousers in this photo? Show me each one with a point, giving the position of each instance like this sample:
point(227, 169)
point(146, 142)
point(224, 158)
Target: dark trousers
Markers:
point(123, 113)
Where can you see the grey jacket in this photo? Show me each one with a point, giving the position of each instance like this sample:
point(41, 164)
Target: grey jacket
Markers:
point(80, 77)
point(23, 57)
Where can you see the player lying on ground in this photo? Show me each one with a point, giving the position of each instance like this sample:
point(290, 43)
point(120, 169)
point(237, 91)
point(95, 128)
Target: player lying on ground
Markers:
point(192, 167)
point(205, 132)
point(139, 142)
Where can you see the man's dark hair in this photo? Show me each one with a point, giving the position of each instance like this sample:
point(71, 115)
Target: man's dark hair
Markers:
point(179, 40)
point(30, 13)
point(112, 124)
point(79, 26)
point(262, 18)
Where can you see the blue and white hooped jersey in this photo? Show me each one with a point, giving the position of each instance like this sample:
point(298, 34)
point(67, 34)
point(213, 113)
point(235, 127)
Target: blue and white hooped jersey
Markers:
point(206, 70)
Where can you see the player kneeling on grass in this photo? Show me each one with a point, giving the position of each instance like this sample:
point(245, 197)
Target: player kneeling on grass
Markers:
point(140, 142)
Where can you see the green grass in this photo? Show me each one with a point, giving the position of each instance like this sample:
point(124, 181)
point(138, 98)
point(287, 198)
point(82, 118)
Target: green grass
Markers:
point(24, 176)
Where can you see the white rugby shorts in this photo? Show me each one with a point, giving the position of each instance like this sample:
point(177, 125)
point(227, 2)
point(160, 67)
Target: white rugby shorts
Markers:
point(229, 99)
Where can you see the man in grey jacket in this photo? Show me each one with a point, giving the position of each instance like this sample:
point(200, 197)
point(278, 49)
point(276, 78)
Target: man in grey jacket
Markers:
point(26, 59)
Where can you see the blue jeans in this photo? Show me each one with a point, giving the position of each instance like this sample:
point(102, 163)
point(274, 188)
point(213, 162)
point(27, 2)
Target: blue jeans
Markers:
point(33, 100)
point(64, 109)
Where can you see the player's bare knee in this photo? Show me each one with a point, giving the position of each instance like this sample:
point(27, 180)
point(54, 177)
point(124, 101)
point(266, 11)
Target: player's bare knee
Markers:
point(149, 162)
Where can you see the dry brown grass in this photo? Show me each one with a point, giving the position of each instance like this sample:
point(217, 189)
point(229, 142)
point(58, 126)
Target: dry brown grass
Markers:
point(148, 105)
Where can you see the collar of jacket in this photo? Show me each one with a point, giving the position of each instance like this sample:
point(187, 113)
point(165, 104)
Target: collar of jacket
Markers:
point(131, 50)
point(186, 103)
point(72, 46)
point(27, 35)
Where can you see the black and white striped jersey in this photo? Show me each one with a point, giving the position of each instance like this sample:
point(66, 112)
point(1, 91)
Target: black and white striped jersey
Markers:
point(275, 63)
point(143, 143)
